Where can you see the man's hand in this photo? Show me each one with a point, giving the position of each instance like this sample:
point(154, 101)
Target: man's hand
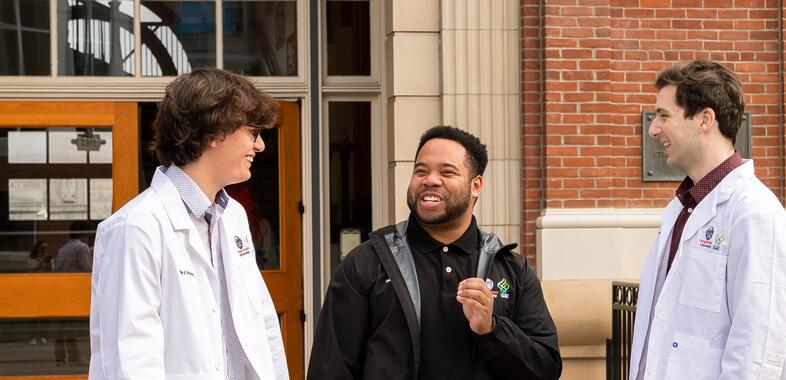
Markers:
point(477, 303)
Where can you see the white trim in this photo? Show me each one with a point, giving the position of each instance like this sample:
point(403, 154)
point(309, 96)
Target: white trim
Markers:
point(600, 218)
point(307, 232)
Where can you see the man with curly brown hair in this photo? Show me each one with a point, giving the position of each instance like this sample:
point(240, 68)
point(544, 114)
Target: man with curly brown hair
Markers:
point(176, 292)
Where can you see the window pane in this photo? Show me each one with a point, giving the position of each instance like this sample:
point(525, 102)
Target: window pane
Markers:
point(24, 36)
point(177, 36)
point(42, 203)
point(260, 37)
point(44, 346)
point(348, 37)
point(95, 37)
point(350, 176)
point(27, 147)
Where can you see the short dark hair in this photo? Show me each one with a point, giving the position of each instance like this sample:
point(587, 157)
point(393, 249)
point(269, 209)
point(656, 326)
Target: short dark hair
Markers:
point(205, 105)
point(477, 154)
point(706, 84)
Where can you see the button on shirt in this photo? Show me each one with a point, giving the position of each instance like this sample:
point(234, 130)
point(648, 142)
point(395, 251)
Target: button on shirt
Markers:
point(446, 339)
point(205, 217)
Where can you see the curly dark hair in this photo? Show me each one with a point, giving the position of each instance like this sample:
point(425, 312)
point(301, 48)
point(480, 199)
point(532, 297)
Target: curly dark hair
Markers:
point(706, 84)
point(203, 106)
point(477, 154)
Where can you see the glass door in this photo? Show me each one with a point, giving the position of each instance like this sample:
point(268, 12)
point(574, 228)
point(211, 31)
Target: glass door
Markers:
point(64, 167)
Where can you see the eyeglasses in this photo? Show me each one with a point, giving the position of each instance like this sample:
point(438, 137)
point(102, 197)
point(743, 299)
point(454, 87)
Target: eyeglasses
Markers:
point(256, 129)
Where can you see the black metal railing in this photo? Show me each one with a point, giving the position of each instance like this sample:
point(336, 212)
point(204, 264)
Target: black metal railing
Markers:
point(623, 312)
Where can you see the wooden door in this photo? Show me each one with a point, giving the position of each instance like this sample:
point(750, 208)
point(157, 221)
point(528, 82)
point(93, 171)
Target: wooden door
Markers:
point(62, 301)
point(286, 281)
point(55, 302)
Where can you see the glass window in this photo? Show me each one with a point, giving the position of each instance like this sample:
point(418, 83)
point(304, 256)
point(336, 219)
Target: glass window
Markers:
point(177, 36)
point(44, 346)
point(51, 195)
point(350, 176)
point(95, 37)
point(260, 37)
point(24, 37)
point(348, 37)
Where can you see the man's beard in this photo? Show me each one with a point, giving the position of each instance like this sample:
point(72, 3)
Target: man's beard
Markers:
point(455, 206)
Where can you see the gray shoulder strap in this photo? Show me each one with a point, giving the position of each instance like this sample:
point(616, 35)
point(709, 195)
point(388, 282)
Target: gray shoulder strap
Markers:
point(397, 242)
point(489, 245)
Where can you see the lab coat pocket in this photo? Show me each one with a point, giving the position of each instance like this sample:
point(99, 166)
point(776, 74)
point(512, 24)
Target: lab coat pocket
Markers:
point(703, 280)
point(692, 358)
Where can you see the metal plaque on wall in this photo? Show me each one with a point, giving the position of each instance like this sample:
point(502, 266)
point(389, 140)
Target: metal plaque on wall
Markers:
point(654, 167)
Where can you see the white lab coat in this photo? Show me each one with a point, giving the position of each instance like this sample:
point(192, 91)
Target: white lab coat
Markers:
point(154, 308)
point(721, 313)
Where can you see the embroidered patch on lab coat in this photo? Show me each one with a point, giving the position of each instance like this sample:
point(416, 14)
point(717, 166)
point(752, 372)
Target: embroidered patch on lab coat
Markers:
point(712, 239)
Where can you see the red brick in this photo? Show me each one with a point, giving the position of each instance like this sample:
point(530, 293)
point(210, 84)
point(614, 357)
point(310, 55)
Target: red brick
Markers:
point(655, 24)
point(576, 11)
point(579, 203)
point(578, 162)
point(561, 151)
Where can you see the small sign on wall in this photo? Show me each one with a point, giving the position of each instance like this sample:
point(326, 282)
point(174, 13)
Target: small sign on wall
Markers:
point(654, 167)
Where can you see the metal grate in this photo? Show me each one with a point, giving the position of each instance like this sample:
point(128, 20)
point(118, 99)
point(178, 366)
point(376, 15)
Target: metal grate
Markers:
point(623, 312)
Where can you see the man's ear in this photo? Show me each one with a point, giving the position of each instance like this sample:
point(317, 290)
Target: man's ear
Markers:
point(706, 117)
point(476, 186)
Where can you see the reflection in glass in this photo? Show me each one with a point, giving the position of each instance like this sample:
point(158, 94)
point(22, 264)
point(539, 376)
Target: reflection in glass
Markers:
point(24, 37)
point(177, 36)
point(348, 37)
point(100, 198)
point(104, 144)
point(95, 37)
point(40, 200)
point(62, 150)
point(67, 199)
point(350, 176)
point(26, 147)
point(44, 346)
point(27, 199)
point(260, 37)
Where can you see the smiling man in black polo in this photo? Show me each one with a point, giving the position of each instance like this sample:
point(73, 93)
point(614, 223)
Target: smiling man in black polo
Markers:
point(435, 297)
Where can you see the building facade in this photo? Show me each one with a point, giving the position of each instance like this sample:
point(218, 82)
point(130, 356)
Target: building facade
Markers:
point(556, 89)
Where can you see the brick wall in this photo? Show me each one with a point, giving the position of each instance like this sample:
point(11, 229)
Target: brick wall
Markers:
point(587, 70)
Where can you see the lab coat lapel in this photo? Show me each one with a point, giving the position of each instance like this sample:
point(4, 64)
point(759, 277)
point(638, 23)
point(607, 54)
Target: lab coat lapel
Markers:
point(178, 216)
point(229, 252)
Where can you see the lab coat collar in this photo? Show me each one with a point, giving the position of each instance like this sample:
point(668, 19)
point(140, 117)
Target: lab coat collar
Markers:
point(706, 210)
point(178, 214)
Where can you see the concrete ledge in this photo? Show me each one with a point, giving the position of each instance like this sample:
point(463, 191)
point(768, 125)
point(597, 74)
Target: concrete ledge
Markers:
point(600, 218)
point(594, 244)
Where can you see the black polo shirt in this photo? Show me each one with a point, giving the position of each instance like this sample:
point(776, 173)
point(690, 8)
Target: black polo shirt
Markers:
point(447, 341)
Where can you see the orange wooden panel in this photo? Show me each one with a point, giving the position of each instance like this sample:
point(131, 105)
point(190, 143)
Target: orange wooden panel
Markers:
point(49, 377)
point(57, 114)
point(125, 154)
point(45, 295)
